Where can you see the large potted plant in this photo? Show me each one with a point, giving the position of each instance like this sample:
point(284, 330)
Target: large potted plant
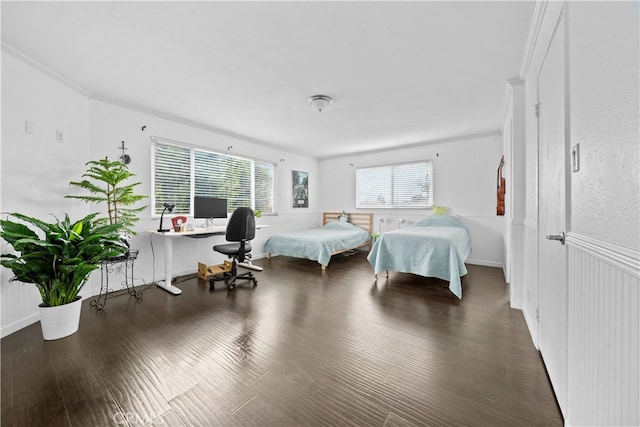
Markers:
point(57, 257)
point(106, 181)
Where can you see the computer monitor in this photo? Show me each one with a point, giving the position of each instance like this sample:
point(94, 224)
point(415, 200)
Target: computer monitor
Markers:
point(209, 208)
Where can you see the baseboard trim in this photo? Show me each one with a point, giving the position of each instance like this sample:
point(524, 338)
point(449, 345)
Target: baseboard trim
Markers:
point(485, 263)
point(20, 324)
point(531, 328)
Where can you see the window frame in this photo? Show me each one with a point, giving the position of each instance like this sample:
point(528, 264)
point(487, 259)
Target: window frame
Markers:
point(395, 204)
point(155, 141)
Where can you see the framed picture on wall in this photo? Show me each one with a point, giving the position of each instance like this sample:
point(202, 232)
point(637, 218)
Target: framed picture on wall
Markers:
point(300, 189)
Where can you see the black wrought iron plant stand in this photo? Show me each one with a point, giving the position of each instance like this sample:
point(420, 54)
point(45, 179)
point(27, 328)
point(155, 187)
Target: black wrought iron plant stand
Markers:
point(108, 266)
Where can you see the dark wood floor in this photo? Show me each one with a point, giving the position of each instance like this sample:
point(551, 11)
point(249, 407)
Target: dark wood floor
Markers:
point(301, 349)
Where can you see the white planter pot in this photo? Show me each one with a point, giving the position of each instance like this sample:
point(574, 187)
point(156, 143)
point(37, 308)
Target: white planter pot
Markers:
point(60, 321)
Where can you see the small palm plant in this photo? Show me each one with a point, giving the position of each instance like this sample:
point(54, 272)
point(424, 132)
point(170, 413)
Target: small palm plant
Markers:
point(104, 181)
point(59, 262)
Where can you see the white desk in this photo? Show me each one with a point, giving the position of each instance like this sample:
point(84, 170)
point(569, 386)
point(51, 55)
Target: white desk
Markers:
point(169, 236)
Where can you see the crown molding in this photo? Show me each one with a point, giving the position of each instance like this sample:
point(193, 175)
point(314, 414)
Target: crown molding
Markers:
point(8, 49)
point(191, 123)
point(496, 132)
point(535, 25)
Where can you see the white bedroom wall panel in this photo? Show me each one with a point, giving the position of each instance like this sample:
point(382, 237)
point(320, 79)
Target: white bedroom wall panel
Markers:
point(530, 278)
point(36, 169)
point(487, 245)
point(604, 337)
point(604, 238)
point(464, 176)
point(605, 118)
point(507, 172)
point(515, 147)
point(20, 309)
point(516, 285)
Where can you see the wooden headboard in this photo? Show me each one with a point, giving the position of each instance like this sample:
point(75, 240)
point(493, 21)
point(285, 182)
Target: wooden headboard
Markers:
point(362, 220)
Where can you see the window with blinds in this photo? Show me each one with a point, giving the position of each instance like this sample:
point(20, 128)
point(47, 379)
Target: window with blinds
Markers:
point(172, 178)
point(181, 173)
point(398, 186)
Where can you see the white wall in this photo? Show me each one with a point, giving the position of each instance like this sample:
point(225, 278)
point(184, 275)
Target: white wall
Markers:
point(604, 237)
point(514, 148)
point(464, 177)
point(36, 169)
point(604, 121)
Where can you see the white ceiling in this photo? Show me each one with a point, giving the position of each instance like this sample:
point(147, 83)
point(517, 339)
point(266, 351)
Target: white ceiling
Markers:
point(400, 72)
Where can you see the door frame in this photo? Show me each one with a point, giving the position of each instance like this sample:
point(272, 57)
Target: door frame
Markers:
point(559, 25)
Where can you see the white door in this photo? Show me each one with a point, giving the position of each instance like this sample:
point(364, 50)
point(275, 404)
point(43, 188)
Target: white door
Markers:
point(552, 191)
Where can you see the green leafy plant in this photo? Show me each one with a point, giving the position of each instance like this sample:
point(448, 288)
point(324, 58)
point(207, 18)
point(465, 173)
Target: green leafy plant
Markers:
point(257, 213)
point(105, 182)
point(58, 259)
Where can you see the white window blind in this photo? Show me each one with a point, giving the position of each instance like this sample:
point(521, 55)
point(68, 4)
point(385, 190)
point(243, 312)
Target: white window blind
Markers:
point(398, 186)
point(226, 177)
point(264, 185)
point(172, 178)
point(242, 181)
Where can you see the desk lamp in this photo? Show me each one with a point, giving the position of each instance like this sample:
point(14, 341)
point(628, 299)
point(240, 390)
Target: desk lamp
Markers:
point(169, 207)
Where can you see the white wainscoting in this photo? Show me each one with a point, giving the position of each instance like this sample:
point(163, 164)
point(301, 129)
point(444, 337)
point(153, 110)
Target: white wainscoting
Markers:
point(487, 242)
point(530, 277)
point(22, 310)
point(604, 337)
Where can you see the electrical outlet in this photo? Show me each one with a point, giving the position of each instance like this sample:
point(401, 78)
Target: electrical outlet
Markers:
point(119, 269)
point(59, 136)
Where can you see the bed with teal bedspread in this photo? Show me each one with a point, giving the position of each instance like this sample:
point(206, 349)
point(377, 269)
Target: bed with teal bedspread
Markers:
point(318, 244)
point(436, 246)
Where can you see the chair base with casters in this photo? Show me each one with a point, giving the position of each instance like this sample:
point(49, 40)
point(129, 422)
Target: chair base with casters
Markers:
point(231, 277)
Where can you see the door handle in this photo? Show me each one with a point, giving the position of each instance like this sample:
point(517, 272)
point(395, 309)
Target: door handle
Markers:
point(559, 237)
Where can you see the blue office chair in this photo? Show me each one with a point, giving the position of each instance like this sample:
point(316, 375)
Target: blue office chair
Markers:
point(241, 229)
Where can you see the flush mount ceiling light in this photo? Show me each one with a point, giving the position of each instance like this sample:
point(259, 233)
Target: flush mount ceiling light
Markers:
point(320, 102)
